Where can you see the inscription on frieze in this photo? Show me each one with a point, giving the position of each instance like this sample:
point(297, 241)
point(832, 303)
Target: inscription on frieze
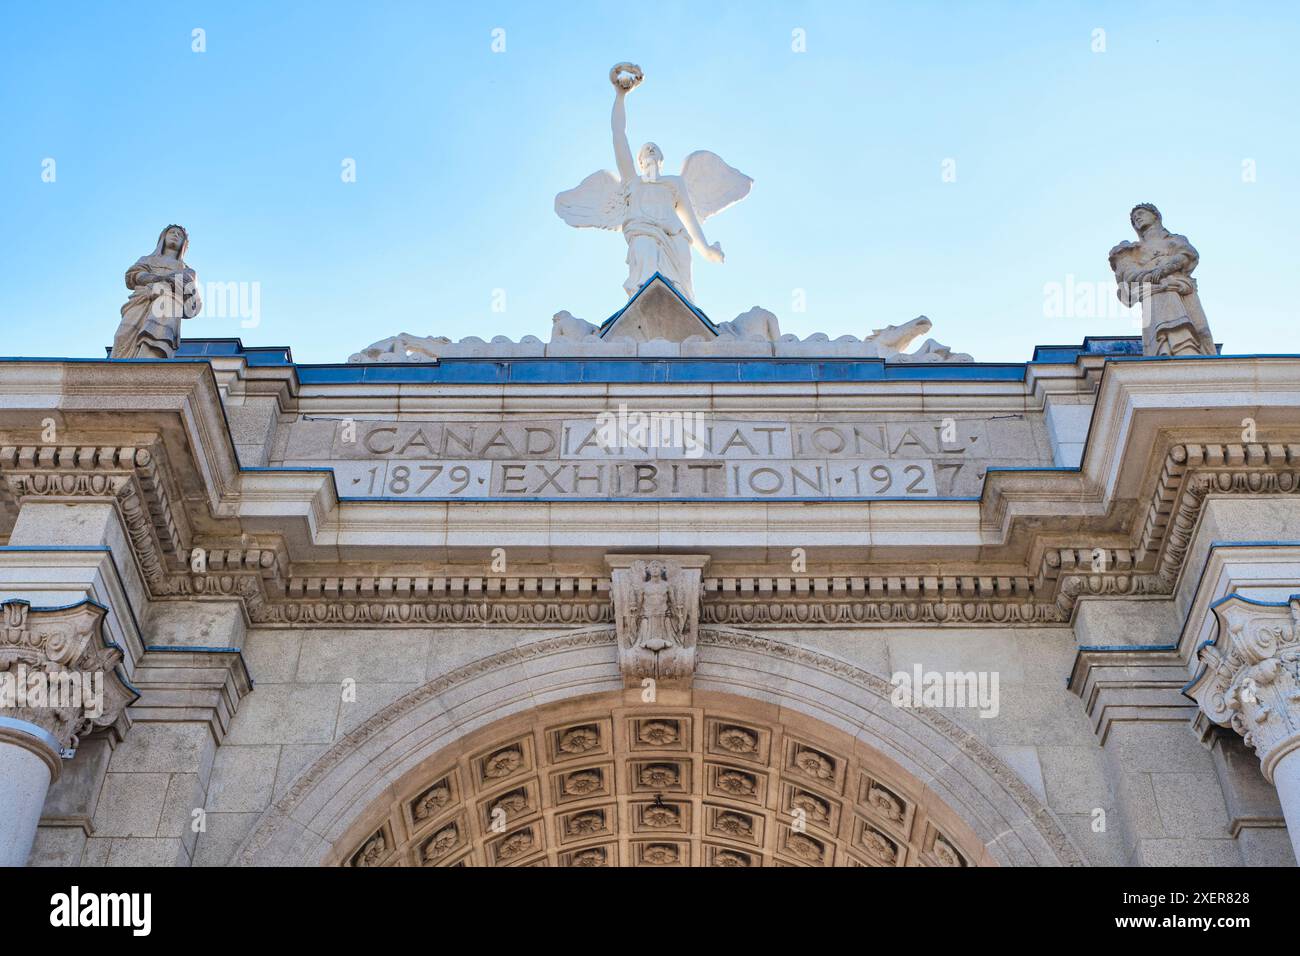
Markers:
point(684, 456)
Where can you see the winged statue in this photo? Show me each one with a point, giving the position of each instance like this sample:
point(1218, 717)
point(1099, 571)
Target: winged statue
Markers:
point(657, 616)
point(659, 215)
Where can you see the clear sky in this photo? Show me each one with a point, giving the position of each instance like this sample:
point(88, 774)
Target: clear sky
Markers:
point(459, 151)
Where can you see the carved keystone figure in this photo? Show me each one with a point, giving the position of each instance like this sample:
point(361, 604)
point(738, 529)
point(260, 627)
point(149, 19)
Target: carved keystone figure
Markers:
point(657, 610)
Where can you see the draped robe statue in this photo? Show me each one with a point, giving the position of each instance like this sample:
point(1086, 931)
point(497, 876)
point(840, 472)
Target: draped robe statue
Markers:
point(660, 216)
point(1156, 272)
point(164, 290)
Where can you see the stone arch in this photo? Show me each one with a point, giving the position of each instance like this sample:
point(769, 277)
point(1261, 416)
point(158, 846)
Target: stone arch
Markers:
point(958, 787)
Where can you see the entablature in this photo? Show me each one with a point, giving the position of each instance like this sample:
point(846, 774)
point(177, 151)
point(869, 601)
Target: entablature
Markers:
point(1032, 542)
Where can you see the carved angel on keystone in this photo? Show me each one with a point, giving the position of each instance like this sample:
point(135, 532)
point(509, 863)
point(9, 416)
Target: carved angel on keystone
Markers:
point(658, 611)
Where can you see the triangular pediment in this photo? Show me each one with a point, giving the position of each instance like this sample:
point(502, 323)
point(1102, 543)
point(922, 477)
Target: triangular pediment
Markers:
point(658, 310)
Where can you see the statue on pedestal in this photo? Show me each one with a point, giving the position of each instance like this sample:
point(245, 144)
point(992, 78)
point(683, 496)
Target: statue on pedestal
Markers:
point(660, 216)
point(164, 290)
point(1156, 271)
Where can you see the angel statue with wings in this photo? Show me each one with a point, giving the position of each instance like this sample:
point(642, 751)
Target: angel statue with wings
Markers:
point(659, 215)
point(657, 616)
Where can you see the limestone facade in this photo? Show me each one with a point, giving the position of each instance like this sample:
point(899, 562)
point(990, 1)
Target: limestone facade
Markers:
point(370, 614)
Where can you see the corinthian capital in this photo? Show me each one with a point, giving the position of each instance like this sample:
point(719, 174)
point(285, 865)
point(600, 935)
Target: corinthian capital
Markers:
point(1250, 676)
point(59, 679)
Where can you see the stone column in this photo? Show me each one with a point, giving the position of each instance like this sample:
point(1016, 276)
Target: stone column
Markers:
point(1250, 681)
point(29, 763)
point(58, 681)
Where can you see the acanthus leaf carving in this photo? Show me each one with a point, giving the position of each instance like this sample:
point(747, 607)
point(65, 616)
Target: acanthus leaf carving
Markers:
point(58, 673)
point(1250, 676)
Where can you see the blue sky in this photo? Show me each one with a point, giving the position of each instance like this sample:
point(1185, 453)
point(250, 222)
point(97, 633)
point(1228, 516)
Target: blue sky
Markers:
point(460, 150)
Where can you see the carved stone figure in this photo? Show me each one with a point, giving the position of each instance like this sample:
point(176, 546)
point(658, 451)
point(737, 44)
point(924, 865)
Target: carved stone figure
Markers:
point(1156, 271)
point(567, 326)
point(756, 325)
point(164, 290)
point(666, 320)
point(657, 609)
point(892, 339)
point(660, 216)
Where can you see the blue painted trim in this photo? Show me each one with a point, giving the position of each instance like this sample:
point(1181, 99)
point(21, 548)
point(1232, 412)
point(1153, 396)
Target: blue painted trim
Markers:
point(562, 370)
point(559, 370)
point(1113, 346)
point(205, 649)
point(1215, 639)
point(1254, 544)
point(660, 501)
point(257, 354)
point(33, 730)
point(121, 675)
point(197, 648)
point(1032, 468)
point(62, 607)
point(118, 574)
point(1127, 647)
point(112, 562)
point(303, 468)
point(1200, 671)
point(56, 547)
point(1213, 546)
point(1110, 649)
point(1251, 601)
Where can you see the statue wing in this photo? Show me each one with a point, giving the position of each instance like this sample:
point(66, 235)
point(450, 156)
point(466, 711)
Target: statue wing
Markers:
point(685, 608)
point(596, 202)
point(711, 184)
point(626, 604)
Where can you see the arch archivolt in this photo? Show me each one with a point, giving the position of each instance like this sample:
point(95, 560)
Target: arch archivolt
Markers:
point(777, 755)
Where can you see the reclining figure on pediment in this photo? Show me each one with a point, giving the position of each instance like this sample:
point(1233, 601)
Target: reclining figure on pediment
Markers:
point(755, 333)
